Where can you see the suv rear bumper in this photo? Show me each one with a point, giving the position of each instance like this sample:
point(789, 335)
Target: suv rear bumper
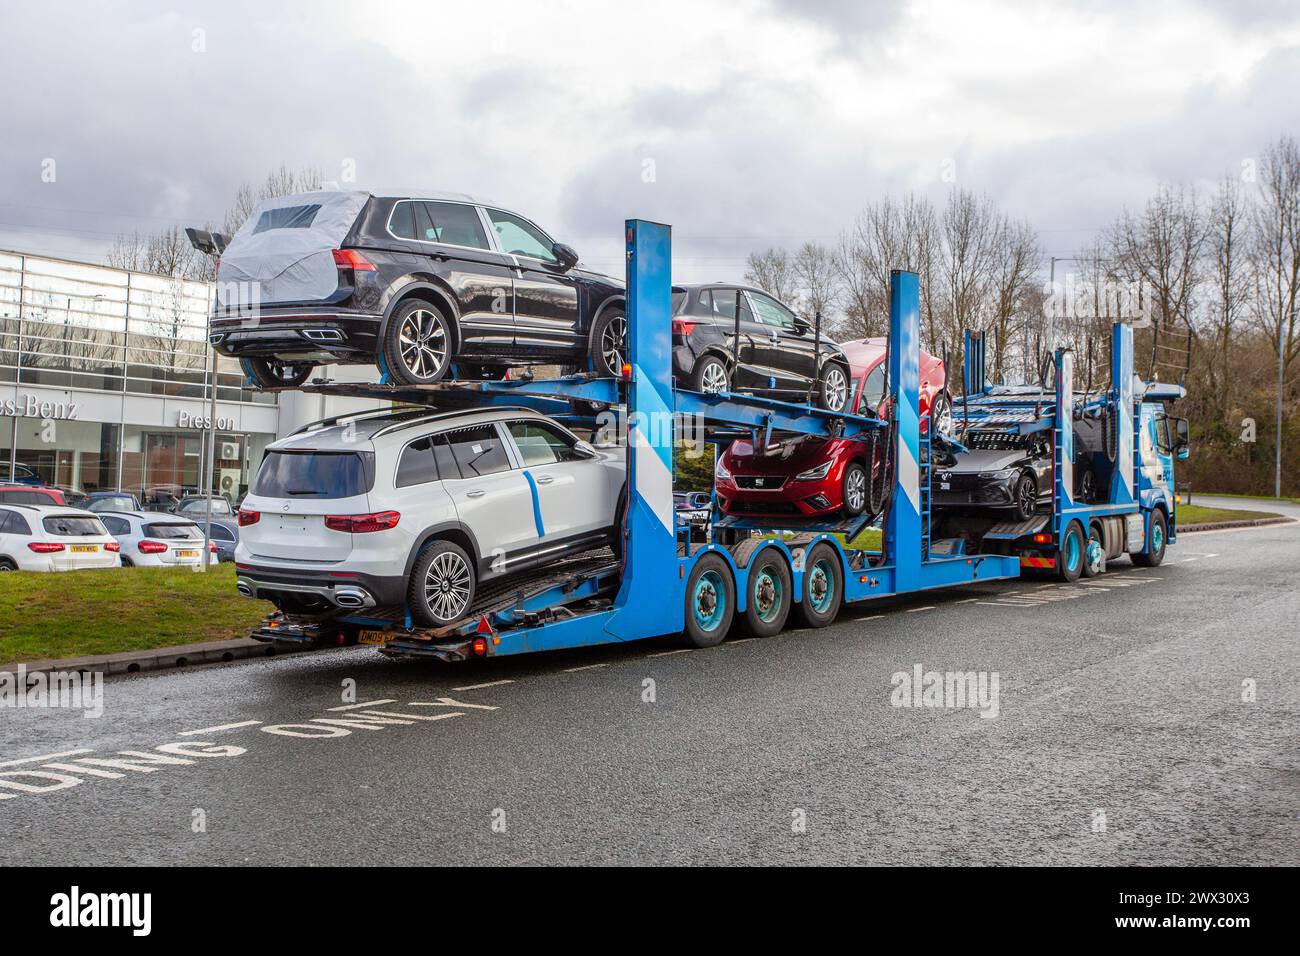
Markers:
point(319, 334)
point(348, 591)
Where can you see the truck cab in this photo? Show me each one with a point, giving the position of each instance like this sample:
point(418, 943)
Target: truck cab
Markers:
point(1162, 439)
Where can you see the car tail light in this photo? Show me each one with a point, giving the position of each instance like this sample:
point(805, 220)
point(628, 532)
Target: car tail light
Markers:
point(45, 547)
point(112, 546)
point(212, 546)
point(152, 547)
point(363, 524)
point(248, 517)
point(351, 259)
point(683, 327)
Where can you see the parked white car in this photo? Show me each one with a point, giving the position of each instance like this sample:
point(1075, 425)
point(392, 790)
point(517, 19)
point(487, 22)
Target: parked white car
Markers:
point(149, 539)
point(418, 508)
point(54, 538)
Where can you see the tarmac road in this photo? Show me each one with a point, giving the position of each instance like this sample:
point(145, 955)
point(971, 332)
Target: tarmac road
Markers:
point(1148, 718)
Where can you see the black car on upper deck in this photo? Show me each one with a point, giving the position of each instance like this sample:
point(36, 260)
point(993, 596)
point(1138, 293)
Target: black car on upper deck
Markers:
point(422, 287)
point(775, 351)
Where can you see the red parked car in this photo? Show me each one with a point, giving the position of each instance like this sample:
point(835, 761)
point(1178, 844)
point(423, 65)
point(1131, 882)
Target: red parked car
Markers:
point(31, 495)
point(817, 477)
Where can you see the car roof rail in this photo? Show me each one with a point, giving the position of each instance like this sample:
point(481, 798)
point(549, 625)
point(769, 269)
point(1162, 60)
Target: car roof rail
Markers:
point(354, 417)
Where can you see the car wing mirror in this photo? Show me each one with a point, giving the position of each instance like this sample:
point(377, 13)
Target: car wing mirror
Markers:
point(585, 449)
point(566, 256)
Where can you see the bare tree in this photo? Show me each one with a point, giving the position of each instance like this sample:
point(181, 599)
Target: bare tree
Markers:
point(1228, 253)
point(818, 279)
point(166, 253)
point(886, 235)
point(1277, 241)
point(1015, 258)
point(773, 272)
point(280, 182)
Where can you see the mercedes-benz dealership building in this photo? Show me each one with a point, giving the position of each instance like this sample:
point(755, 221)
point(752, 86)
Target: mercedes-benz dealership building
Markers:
point(105, 378)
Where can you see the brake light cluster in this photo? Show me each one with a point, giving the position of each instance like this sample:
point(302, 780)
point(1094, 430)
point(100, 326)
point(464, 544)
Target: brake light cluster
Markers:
point(683, 327)
point(151, 547)
point(363, 524)
point(45, 547)
point(248, 517)
point(351, 259)
point(112, 546)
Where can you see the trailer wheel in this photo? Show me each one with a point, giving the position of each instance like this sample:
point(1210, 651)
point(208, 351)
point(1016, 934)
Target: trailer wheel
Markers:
point(1069, 561)
point(710, 601)
point(1156, 541)
point(823, 586)
point(1094, 554)
point(767, 604)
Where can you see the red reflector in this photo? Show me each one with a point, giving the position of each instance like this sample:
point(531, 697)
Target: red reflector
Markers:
point(483, 626)
point(362, 524)
point(479, 646)
point(683, 326)
point(351, 259)
point(152, 547)
point(112, 546)
point(1042, 539)
point(248, 517)
point(45, 547)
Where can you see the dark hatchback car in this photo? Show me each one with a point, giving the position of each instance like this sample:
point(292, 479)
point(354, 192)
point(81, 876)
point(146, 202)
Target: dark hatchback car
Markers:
point(423, 288)
point(776, 352)
point(1006, 472)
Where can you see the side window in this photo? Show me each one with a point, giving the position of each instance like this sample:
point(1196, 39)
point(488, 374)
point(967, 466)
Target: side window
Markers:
point(219, 532)
point(4, 521)
point(114, 526)
point(417, 465)
point(873, 393)
point(452, 223)
point(724, 305)
point(520, 237)
point(773, 313)
point(541, 444)
point(17, 524)
point(402, 221)
point(478, 451)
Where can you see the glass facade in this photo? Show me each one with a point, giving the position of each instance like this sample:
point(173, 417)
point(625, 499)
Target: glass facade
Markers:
point(136, 343)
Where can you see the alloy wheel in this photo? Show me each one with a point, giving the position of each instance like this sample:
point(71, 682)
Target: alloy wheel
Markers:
point(447, 586)
point(835, 388)
point(423, 343)
point(855, 489)
point(714, 379)
point(613, 342)
point(1027, 497)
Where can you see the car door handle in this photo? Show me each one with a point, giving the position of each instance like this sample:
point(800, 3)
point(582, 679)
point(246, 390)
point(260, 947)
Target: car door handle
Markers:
point(545, 479)
point(476, 493)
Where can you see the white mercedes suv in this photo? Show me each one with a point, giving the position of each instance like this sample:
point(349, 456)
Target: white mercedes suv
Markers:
point(417, 508)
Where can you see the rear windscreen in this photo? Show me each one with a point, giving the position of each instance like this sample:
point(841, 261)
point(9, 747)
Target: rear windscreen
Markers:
point(71, 526)
point(173, 530)
point(315, 474)
point(111, 504)
point(286, 217)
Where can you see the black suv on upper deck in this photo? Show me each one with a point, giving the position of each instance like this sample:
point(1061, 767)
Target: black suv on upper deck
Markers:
point(420, 287)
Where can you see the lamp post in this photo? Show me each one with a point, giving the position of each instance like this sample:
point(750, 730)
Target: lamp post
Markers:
point(210, 244)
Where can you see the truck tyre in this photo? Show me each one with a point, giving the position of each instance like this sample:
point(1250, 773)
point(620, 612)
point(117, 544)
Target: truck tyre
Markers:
point(1094, 554)
point(272, 373)
point(823, 586)
point(767, 604)
point(1157, 534)
point(1069, 560)
point(441, 589)
point(710, 601)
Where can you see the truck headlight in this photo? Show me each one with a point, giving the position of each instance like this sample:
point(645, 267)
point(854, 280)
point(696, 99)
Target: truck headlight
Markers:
point(815, 474)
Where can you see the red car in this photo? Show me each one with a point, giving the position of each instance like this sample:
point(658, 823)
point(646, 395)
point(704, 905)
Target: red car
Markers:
point(31, 495)
point(817, 477)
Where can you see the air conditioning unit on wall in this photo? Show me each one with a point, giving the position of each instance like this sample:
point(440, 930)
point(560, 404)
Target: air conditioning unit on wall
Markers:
point(229, 451)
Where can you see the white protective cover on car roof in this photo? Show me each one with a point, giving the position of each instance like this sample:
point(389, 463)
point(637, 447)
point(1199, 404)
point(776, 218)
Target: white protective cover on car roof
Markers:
point(287, 263)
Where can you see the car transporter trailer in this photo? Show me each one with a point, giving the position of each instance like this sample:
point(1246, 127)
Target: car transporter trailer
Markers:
point(665, 585)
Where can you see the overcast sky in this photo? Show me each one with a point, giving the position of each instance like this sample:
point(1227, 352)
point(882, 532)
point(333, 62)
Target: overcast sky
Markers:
point(744, 124)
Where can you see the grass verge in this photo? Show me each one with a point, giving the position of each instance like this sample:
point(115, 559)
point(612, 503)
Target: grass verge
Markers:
point(79, 613)
point(1199, 514)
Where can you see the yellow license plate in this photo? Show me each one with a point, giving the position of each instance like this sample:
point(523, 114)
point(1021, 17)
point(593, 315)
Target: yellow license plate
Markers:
point(187, 554)
point(372, 637)
point(83, 548)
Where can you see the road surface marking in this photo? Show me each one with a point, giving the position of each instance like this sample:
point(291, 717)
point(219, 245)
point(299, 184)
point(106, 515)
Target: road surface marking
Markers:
point(968, 600)
point(743, 640)
point(383, 713)
point(684, 650)
point(368, 703)
point(870, 617)
point(218, 728)
point(913, 610)
point(585, 667)
point(62, 753)
point(491, 683)
point(448, 702)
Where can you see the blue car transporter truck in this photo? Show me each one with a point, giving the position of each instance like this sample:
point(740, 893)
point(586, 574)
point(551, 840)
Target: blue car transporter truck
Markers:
point(665, 585)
